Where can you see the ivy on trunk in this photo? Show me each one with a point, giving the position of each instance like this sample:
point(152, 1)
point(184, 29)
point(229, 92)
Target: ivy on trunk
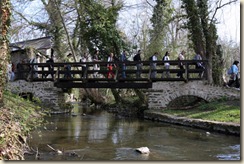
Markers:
point(5, 13)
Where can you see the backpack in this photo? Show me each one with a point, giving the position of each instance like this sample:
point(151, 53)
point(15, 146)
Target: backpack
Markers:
point(197, 57)
point(164, 58)
point(135, 58)
point(230, 71)
point(179, 62)
point(150, 58)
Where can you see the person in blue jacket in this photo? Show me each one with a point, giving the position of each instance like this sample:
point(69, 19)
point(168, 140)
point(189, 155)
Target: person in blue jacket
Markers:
point(233, 72)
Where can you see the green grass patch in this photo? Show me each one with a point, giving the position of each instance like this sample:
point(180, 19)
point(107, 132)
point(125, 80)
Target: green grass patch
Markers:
point(17, 118)
point(223, 111)
point(28, 114)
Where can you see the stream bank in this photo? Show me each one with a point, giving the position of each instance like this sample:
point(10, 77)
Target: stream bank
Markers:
point(211, 126)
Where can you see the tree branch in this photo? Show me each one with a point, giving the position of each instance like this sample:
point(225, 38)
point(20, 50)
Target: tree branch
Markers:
point(149, 3)
point(221, 7)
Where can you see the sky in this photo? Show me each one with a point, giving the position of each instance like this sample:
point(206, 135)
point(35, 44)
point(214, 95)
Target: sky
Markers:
point(228, 17)
point(228, 27)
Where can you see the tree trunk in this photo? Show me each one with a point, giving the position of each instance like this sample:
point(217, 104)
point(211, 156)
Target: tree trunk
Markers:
point(141, 96)
point(211, 48)
point(66, 31)
point(95, 96)
point(203, 35)
point(117, 97)
point(5, 13)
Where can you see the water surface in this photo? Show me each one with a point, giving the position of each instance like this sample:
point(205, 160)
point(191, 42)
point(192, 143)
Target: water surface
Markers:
point(98, 135)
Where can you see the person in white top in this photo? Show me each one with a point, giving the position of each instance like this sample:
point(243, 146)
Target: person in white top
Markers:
point(96, 66)
point(154, 65)
point(166, 64)
point(84, 59)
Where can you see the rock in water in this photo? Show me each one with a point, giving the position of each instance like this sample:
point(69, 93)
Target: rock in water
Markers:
point(143, 150)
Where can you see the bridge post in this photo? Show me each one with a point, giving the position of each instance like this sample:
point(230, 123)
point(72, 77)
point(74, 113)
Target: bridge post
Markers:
point(186, 71)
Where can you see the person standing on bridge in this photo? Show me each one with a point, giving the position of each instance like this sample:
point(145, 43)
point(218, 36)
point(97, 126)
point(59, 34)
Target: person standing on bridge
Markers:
point(34, 68)
point(110, 66)
point(137, 58)
point(123, 66)
point(67, 67)
point(153, 65)
point(50, 61)
point(233, 72)
point(83, 66)
point(96, 66)
point(20, 69)
point(166, 64)
point(180, 65)
point(199, 65)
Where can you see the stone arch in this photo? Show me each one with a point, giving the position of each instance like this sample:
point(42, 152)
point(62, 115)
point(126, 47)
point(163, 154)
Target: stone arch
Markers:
point(163, 93)
point(203, 94)
point(185, 101)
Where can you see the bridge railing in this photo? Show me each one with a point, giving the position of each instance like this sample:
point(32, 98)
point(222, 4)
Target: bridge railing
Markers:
point(39, 71)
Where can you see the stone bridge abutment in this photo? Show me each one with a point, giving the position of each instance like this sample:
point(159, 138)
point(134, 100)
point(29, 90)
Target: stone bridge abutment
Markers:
point(159, 96)
point(162, 93)
point(51, 97)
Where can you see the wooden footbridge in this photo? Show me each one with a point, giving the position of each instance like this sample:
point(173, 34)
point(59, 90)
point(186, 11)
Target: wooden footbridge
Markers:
point(77, 77)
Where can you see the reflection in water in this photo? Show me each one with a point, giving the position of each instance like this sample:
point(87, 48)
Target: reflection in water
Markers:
point(98, 135)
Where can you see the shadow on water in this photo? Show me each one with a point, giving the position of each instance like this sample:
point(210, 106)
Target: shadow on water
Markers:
point(94, 134)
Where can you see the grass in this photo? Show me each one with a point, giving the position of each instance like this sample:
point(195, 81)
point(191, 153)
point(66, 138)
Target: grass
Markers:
point(24, 111)
point(222, 111)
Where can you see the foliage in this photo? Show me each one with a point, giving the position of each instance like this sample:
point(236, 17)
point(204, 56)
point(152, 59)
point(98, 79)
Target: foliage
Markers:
point(27, 113)
point(203, 34)
point(99, 27)
point(162, 13)
point(231, 52)
point(196, 25)
point(17, 118)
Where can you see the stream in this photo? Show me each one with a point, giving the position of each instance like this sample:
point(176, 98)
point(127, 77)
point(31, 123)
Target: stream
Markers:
point(96, 135)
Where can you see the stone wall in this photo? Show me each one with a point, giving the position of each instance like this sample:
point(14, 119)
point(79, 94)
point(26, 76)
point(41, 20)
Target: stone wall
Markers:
point(51, 96)
point(162, 93)
point(222, 127)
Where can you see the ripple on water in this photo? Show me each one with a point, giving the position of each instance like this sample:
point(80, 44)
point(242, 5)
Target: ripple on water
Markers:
point(231, 156)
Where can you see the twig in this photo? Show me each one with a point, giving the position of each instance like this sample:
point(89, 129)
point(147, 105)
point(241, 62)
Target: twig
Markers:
point(57, 151)
point(37, 154)
point(51, 148)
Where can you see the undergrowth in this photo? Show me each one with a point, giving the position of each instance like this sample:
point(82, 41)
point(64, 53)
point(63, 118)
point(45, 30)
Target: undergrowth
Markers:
point(17, 118)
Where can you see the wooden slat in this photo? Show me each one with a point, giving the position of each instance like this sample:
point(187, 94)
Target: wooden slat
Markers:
point(189, 71)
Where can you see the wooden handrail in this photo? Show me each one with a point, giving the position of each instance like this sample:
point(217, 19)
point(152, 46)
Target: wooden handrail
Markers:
point(191, 73)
